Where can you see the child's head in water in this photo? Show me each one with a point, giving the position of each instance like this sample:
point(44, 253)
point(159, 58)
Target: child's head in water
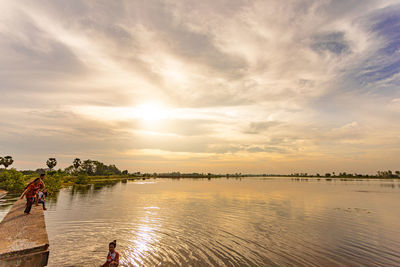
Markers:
point(112, 246)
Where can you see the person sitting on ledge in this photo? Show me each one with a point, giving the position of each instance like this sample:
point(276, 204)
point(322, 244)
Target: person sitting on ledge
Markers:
point(41, 186)
point(41, 197)
point(30, 193)
point(112, 257)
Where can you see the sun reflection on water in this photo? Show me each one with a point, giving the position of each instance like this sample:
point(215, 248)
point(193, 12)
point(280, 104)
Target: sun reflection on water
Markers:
point(145, 237)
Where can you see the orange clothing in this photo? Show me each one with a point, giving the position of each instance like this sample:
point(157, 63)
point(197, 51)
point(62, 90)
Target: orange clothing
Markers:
point(112, 257)
point(41, 184)
point(32, 190)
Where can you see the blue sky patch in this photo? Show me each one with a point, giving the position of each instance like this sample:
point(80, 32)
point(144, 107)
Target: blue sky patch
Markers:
point(331, 42)
point(385, 62)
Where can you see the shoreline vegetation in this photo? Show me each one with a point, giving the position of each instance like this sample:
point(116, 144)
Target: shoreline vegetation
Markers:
point(82, 173)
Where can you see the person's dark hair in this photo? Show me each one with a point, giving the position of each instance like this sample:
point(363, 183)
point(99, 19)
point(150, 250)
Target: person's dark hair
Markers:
point(114, 243)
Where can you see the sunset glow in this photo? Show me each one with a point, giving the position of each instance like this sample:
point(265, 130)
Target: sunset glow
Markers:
point(150, 112)
point(280, 87)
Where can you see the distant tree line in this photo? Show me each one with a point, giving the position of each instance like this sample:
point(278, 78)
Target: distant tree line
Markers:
point(185, 175)
point(379, 174)
point(93, 167)
point(89, 167)
point(97, 168)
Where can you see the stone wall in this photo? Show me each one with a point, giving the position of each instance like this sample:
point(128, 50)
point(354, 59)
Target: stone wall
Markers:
point(23, 238)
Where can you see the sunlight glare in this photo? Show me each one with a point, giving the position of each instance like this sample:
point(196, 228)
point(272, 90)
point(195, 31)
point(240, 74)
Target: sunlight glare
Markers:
point(151, 112)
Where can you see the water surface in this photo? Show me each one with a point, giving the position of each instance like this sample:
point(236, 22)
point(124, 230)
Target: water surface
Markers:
point(228, 222)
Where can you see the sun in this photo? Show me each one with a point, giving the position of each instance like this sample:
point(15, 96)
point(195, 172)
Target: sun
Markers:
point(150, 112)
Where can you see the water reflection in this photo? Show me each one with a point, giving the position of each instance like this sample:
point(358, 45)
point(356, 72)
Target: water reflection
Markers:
point(228, 222)
point(391, 185)
point(6, 201)
point(144, 243)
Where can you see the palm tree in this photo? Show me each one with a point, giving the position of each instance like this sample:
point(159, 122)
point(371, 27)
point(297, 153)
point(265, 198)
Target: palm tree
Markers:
point(51, 163)
point(77, 163)
point(7, 161)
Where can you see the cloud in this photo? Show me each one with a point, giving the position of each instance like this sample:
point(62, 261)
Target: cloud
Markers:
point(257, 127)
point(238, 82)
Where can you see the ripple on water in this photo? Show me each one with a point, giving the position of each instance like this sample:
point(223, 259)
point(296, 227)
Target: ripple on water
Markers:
point(231, 223)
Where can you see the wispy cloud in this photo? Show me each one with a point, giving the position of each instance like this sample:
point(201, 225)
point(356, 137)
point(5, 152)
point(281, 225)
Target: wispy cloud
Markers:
point(201, 85)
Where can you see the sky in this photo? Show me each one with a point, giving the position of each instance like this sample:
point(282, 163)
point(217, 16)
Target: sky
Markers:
point(202, 86)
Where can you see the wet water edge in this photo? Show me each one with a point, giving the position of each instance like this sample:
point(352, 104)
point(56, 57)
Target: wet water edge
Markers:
point(6, 202)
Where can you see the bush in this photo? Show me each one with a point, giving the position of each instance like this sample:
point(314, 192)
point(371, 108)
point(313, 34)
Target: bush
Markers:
point(82, 179)
point(53, 182)
point(12, 180)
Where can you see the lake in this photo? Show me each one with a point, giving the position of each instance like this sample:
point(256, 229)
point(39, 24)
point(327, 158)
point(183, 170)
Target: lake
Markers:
point(227, 222)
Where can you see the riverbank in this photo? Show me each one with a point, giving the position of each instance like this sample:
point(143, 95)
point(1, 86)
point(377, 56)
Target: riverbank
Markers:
point(54, 181)
point(74, 180)
point(96, 180)
point(14, 181)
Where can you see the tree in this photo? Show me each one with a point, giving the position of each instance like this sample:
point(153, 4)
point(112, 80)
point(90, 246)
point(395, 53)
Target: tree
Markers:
point(6, 161)
point(51, 163)
point(12, 180)
point(77, 163)
point(94, 167)
point(70, 169)
point(82, 179)
point(88, 167)
point(101, 169)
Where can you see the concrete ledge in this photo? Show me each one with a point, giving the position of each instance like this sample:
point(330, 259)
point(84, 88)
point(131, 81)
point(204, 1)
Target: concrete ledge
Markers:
point(26, 260)
point(23, 238)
